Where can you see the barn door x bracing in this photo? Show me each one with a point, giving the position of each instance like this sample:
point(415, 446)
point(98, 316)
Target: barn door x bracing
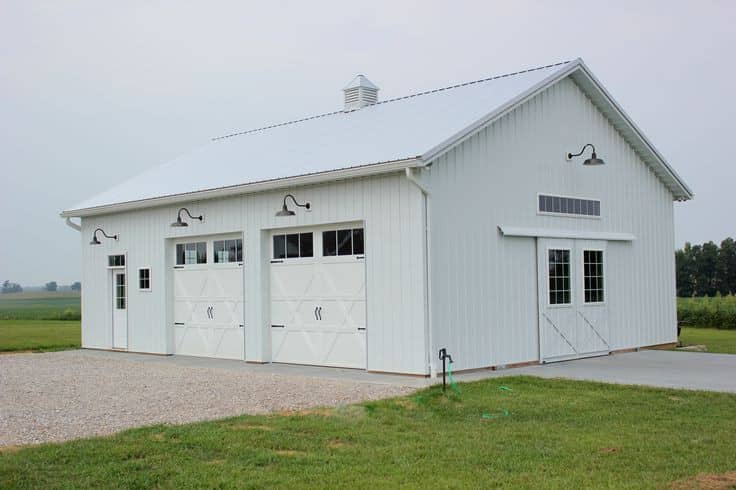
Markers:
point(573, 312)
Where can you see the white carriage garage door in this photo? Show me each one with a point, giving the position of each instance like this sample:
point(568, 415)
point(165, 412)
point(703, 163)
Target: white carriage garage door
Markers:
point(208, 298)
point(318, 297)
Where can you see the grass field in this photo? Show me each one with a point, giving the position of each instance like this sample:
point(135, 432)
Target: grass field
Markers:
point(541, 433)
point(716, 312)
point(716, 340)
point(39, 335)
point(40, 306)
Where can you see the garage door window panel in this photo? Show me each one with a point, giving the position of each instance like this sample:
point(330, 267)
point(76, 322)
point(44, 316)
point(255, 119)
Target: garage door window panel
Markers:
point(191, 253)
point(227, 251)
point(293, 246)
point(342, 242)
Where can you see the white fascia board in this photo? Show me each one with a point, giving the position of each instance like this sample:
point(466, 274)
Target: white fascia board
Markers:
point(518, 231)
point(315, 178)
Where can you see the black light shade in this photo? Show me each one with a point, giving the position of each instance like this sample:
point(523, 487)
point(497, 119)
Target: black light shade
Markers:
point(94, 241)
point(285, 211)
point(594, 160)
point(179, 222)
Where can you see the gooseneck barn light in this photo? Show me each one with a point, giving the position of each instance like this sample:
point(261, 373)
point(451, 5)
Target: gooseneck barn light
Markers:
point(285, 211)
point(96, 241)
point(593, 160)
point(179, 222)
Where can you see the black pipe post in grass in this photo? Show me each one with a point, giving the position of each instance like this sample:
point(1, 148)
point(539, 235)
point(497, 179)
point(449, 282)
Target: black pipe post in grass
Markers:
point(444, 355)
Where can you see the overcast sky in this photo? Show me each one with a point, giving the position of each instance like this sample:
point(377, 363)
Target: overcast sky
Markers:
point(95, 92)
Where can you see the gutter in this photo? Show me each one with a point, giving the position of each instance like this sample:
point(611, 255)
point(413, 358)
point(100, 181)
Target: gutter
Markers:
point(72, 224)
point(427, 269)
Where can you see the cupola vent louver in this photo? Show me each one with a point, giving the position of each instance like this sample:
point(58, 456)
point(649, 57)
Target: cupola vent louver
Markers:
point(360, 93)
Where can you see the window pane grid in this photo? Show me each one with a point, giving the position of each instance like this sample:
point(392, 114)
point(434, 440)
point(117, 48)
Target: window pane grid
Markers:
point(293, 246)
point(593, 276)
point(228, 251)
point(342, 242)
point(144, 278)
point(191, 253)
point(569, 205)
point(559, 277)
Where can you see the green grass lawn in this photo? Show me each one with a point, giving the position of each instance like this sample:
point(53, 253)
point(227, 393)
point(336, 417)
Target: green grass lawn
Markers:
point(557, 434)
point(716, 340)
point(39, 335)
point(40, 306)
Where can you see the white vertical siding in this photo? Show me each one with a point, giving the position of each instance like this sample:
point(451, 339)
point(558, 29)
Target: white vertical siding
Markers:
point(484, 293)
point(390, 206)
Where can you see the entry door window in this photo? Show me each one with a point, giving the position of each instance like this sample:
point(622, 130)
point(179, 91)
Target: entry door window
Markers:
point(120, 295)
point(593, 275)
point(559, 276)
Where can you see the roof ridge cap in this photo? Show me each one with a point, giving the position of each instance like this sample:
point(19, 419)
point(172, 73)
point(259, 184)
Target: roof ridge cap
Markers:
point(417, 94)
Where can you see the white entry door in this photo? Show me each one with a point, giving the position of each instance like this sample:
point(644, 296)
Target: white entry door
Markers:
point(573, 313)
point(208, 299)
point(318, 297)
point(119, 310)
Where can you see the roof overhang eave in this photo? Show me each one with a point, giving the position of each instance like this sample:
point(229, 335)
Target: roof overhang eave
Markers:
point(249, 188)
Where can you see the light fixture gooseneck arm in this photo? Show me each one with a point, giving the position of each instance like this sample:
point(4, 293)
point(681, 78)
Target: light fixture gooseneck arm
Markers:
point(570, 155)
point(305, 205)
point(94, 235)
point(178, 215)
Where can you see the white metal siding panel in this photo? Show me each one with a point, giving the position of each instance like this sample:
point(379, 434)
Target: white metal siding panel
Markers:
point(389, 205)
point(484, 304)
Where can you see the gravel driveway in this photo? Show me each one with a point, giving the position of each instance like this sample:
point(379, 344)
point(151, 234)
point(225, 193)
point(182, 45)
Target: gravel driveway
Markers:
point(66, 395)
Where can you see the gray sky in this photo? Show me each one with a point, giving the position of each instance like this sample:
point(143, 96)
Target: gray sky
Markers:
point(94, 92)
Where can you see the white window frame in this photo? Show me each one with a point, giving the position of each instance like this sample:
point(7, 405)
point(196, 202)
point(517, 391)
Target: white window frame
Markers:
point(292, 232)
point(571, 253)
point(582, 276)
point(150, 279)
point(567, 215)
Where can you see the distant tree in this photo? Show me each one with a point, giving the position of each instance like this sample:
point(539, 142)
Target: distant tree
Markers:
point(11, 287)
point(707, 269)
point(726, 269)
point(51, 286)
point(76, 286)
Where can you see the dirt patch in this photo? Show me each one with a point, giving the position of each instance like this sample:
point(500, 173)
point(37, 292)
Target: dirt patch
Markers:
point(10, 449)
point(246, 426)
point(610, 450)
point(322, 412)
point(338, 444)
point(708, 481)
point(289, 452)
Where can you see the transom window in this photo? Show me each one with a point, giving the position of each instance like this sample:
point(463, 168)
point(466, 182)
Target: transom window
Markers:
point(144, 279)
point(293, 246)
point(559, 276)
point(593, 275)
point(569, 205)
point(116, 260)
point(342, 242)
point(228, 251)
point(191, 253)
point(120, 291)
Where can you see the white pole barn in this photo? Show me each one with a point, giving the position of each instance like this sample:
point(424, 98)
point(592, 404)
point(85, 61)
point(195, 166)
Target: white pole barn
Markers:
point(517, 219)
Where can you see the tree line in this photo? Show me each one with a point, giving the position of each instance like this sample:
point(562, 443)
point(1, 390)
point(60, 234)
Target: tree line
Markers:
point(13, 287)
point(707, 269)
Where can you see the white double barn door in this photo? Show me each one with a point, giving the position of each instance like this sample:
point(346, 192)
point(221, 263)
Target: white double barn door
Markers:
point(573, 310)
point(318, 310)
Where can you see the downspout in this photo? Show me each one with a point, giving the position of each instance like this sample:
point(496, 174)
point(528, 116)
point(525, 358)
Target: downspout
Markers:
point(72, 224)
point(427, 269)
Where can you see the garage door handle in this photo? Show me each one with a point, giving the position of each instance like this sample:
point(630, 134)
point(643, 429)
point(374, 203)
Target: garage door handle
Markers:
point(278, 326)
point(361, 328)
point(318, 313)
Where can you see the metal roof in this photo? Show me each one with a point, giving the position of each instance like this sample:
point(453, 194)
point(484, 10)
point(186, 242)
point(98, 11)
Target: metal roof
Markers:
point(409, 130)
